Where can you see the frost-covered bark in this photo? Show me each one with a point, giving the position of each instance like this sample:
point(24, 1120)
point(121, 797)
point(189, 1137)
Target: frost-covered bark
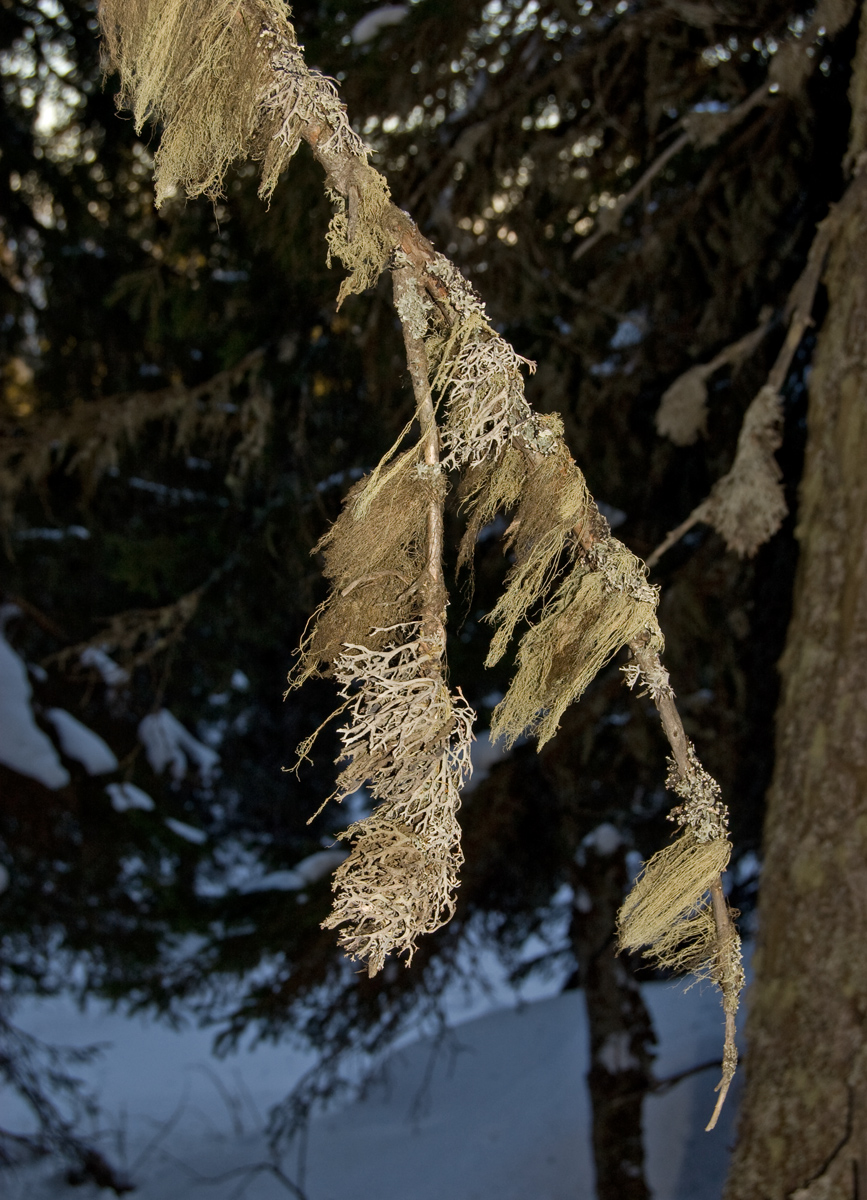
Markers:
point(803, 1122)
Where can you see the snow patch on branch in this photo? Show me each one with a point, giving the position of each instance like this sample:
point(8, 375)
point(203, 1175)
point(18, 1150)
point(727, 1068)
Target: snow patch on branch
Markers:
point(82, 744)
point(169, 745)
point(373, 23)
point(110, 672)
point(125, 796)
point(303, 874)
point(23, 745)
point(189, 833)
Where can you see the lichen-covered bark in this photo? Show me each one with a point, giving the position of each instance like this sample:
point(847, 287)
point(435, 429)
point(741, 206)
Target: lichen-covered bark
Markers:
point(803, 1120)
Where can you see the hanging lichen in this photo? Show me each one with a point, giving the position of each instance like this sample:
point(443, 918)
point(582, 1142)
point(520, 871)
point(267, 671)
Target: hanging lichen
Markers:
point(747, 505)
point(603, 603)
point(200, 67)
point(408, 741)
point(372, 561)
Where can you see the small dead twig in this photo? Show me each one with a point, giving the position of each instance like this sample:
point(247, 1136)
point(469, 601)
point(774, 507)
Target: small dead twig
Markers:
point(701, 133)
point(372, 579)
point(725, 935)
point(246, 1174)
point(411, 302)
point(758, 437)
point(660, 1086)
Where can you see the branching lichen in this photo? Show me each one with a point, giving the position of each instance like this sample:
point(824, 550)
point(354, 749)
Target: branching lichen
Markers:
point(408, 741)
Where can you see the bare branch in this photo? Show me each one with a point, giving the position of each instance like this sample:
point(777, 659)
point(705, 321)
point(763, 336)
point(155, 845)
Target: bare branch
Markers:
point(412, 304)
point(746, 505)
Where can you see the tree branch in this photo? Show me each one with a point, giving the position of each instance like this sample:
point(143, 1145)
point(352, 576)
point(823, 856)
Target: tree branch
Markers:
point(760, 414)
point(411, 302)
point(699, 131)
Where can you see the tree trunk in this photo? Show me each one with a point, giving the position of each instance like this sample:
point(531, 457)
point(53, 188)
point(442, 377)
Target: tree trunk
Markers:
point(621, 1032)
point(803, 1119)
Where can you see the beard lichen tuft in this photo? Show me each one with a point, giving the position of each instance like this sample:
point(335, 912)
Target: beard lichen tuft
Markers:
point(747, 505)
point(664, 912)
point(358, 235)
point(682, 412)
point(603, 603)
point(554, 508)
point(200, 67)
point(373, 563)
point(676, 913)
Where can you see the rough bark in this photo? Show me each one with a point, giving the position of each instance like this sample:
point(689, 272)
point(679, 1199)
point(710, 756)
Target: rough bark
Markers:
point(803, 1120)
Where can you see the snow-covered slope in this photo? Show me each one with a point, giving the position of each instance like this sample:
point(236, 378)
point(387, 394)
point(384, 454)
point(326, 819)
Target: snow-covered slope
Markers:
point(500, 1113)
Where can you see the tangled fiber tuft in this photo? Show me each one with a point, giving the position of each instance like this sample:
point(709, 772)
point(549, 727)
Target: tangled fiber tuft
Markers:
point(600, 605)
point(373, 555)
point(408, 740)
point(200, 67)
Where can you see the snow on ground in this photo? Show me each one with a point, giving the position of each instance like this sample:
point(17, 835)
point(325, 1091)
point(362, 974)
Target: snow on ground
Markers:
point(500, 1113)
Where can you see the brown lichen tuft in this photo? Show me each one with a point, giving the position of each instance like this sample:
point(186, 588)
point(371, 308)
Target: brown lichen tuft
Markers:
point(89, 439)
point(682, 412)
point(603, 603)
point(492, 486)
point(358, 235)
point(374, 555)
point(554, 508)
point(666, 913)
point(676, 913)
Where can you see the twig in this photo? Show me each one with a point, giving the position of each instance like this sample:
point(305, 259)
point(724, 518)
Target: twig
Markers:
point(651, 667)
point(410, 300)
point(232, 1103)
point(673, 537)
point(695, 134)
point(609, 220)
point(250, 1172)
point(362, 579)
point(725, 932)
point(659, 1086)
point(798, 310)
point(413, 277)
point(38, 617)
point(418, 273)
point(164, 1128)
